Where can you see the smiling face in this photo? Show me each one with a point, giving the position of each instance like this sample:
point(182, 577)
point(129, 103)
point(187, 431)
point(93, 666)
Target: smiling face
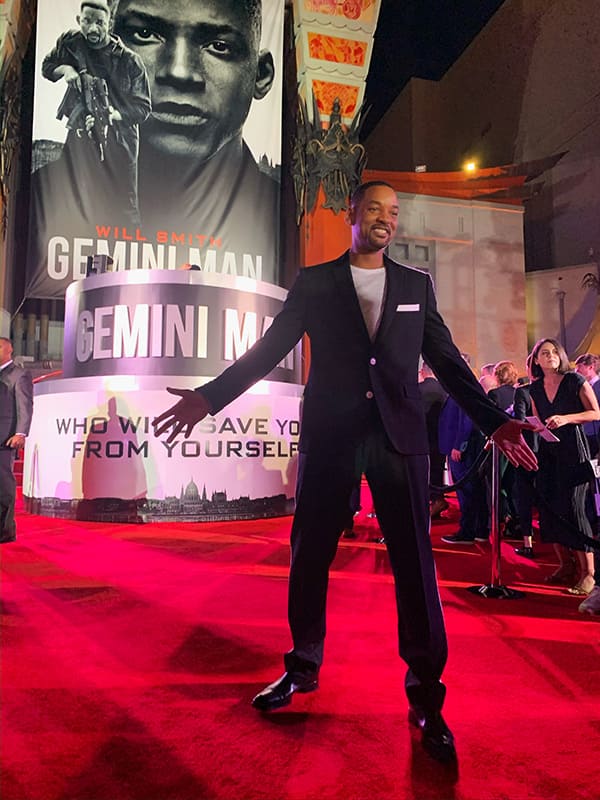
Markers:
point(374, 219)
point(204, 69)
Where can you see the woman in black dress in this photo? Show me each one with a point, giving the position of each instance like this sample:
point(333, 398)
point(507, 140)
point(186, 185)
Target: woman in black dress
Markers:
point(563, 400)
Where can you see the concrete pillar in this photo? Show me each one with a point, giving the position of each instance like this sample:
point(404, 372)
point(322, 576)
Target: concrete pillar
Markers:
point(30, 335)
point(44, 327)
point(18, 328)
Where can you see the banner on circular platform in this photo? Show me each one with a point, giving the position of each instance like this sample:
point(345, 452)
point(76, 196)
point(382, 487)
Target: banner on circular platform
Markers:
point(184, 323)
point(91, 453)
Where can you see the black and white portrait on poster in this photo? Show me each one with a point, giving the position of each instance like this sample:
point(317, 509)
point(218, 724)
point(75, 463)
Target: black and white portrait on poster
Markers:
point(157, 138)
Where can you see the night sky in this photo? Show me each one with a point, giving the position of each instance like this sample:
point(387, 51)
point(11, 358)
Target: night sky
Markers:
point(419, 38)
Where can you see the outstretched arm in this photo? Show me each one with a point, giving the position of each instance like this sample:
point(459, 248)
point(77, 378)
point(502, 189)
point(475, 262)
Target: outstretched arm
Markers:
point(284, 333)
point(458, 380)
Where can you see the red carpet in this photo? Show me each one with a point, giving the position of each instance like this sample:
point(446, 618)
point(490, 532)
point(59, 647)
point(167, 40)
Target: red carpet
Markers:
point(130, 655)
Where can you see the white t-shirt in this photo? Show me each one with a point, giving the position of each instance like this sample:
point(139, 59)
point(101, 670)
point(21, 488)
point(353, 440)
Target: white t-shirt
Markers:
point(370, 288)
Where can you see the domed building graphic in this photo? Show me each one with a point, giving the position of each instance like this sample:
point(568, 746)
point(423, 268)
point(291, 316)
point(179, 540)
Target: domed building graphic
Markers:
point(193, 505)
point(191, 493)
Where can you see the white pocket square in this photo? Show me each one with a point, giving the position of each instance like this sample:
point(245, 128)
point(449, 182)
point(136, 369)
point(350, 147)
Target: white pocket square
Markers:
point(408, 307)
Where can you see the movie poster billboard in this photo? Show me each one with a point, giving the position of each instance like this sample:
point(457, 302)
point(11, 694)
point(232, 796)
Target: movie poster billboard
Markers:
point(156, 138)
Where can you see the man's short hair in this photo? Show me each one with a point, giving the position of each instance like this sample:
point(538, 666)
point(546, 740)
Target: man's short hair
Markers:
point(361, 190)
point(99, 5)
point(588, 360)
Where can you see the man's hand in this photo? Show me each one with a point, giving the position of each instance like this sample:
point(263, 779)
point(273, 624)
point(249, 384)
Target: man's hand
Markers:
point(114, 115)
point(509, 438)
point(455, 455)
point(181, 417)
point(16, 442)
point(70, 75)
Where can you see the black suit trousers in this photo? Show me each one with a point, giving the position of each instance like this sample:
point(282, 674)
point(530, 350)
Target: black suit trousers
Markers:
point(400, 489)
point(8, 489)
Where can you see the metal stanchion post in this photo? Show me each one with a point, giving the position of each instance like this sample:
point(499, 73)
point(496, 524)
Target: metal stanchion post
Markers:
point(495, 587)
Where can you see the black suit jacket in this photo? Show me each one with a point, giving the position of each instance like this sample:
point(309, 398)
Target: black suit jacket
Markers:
point(521, 409)
point(503, 396)
point(16, 402)
point(348, 371)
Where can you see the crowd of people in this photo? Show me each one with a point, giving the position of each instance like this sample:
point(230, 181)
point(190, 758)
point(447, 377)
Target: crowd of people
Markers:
point(564, 401)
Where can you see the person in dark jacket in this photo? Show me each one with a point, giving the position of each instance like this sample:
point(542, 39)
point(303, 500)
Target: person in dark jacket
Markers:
point(587, 365)
point(16, 410)
point(107, 98)
point(462, 442)
point(368, 320)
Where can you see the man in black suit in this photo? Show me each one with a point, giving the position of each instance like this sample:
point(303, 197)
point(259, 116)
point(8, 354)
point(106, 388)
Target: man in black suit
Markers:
point(368, 320)
point(16, 409)
point(588, 365)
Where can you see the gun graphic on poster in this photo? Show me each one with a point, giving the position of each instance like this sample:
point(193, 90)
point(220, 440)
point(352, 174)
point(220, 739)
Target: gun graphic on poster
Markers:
point(90, 113)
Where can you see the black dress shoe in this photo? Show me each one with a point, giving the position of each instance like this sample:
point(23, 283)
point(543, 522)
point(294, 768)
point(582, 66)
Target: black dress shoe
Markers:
point(279, 694)
point(437, 738)
point(526, 552)
point(6, 538)
point(458, 538)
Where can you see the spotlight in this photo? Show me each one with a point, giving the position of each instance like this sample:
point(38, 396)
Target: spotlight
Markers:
point(470, 166)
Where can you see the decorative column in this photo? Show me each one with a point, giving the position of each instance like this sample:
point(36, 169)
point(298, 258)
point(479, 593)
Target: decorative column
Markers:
point(334, 41)
point(16, 22)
